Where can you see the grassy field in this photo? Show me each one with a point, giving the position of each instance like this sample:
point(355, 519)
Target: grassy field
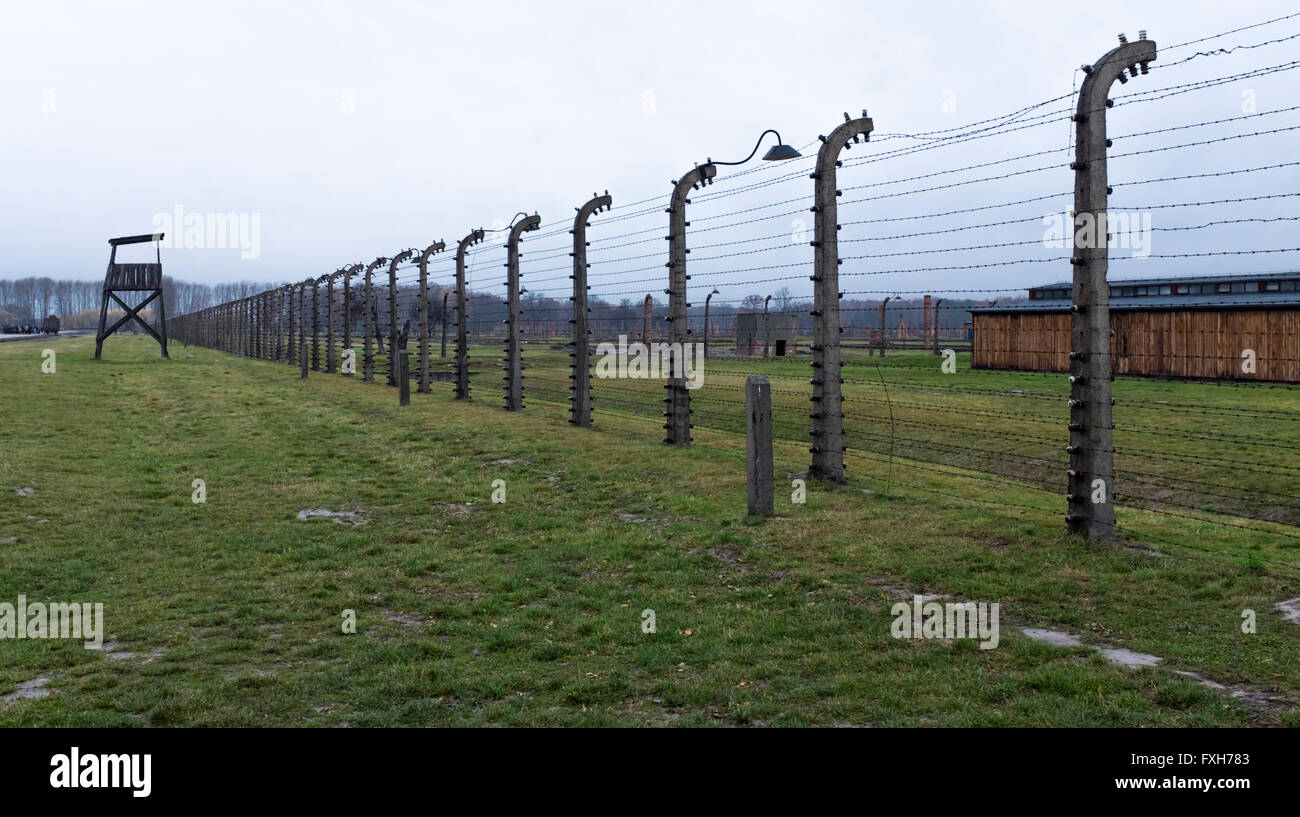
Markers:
point(529, 612)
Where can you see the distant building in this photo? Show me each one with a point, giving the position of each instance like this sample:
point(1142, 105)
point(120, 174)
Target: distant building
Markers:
point(1194, 327)
point(778, 329)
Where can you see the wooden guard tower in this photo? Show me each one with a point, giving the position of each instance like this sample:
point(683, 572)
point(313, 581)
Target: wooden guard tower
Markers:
point(133, 278)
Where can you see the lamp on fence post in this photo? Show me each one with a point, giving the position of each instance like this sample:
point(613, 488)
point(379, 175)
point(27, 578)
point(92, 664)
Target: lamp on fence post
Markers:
point(827, 413)
point(1090, 479)
point(435, 247)
point(581, 354)
point(707, 298)
point(367, 300)
point(678, 401)
point(462, 328)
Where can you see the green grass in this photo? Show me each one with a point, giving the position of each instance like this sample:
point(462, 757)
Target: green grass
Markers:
point(529, 612)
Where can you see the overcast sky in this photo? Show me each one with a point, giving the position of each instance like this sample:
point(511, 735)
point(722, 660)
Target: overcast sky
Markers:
point(356, 129)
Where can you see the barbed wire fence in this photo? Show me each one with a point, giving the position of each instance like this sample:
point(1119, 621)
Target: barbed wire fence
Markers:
point(956, 208)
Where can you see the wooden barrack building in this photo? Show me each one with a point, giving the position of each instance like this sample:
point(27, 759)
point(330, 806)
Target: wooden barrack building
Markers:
point(1202, 327)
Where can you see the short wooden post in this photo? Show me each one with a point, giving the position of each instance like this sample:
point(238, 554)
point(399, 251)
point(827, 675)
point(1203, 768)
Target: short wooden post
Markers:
point(404, 377)
point(758, 444)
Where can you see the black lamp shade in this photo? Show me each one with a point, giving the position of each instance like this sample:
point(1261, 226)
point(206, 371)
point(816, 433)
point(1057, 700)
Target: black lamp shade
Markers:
point(781, 152)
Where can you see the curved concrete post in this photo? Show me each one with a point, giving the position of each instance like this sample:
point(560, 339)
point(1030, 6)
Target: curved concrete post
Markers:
point(827, 414)
point(347, 306)
point(444, 324)
point(315, 322)
point(290, 355)
point(302, 319)
point(367, 308)
point(429, 251)
point(580, 395)
point(678, 401)
point(392, 312)
point(462, 329)
point(1090, 479)
point(514, 345)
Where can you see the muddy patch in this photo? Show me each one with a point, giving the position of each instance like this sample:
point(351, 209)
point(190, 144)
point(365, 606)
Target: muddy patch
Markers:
point(113, 651)
point(1052, 637)
point(35, 688)
point(352, 519)
point(1115, 655)
point(1290, 610)
point(728, 555)
point(455, 510)
point(1253, 698)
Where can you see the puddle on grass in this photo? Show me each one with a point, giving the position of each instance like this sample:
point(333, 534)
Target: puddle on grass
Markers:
point(1116, 655)
point(113, 651)
point(455, 509)
point(1128, 658)
point(1053, 637)
point(1290, 610)
point(35, 688)
point(353, 519)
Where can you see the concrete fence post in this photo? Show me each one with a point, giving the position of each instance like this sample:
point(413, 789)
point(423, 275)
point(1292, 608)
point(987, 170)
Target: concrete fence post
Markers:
point(648, 319)
point(514, 361)
point(936, 324)
point(429, 251)
point(302, 356)
point(827, 413)
point(882, 342)
point(302, 318)
point(347, 310)
point(1091, 491)
point(444, 324)
point(678, 401)
point(758, 444)
point(291, 354)
point(315, 323)
point(393, 333)
point(367, 308)
point(580, 390)
point(329, 321)
point(279, 324)
point(462, 326)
